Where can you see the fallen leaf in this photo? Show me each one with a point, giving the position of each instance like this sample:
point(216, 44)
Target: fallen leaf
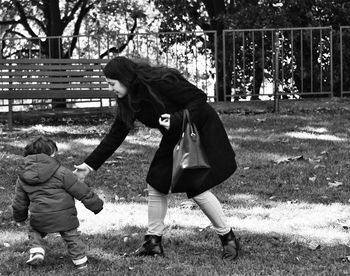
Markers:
point(335, 184)
point(292, 201)
point(111, 162)
point(314, 160)
point(313, 245)
point(313, 178)
point(289, 159)
point(346, 227)
point(345, 259)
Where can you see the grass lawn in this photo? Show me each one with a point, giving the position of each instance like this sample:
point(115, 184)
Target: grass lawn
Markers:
point(288, 200)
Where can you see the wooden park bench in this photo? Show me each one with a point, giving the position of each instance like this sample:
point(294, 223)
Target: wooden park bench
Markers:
point(52, 79)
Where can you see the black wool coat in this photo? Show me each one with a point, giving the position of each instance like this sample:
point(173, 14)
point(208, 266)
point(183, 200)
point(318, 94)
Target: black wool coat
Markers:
point(176, 96)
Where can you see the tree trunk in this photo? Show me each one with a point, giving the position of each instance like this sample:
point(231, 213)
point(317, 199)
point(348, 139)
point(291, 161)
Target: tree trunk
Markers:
point(54, 47)
point(216, 11)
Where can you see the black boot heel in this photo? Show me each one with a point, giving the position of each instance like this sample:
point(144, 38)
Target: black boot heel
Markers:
point(152, 246)
point(230, 246)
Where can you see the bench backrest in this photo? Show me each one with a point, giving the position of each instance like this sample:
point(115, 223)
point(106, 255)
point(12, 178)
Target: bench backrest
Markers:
point(53, 78)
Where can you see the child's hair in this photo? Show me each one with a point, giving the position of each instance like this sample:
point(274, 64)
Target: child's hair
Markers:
point(41, 145)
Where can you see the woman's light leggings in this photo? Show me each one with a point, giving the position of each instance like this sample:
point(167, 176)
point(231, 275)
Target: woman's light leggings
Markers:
point(209, 204)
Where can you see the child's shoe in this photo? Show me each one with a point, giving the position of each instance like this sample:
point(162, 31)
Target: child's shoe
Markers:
point(37, 255)
point(80, 263)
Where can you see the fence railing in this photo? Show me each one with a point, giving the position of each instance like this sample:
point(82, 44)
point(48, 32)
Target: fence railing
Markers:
point(344, 56)
point(292, 62)
point(254, 63)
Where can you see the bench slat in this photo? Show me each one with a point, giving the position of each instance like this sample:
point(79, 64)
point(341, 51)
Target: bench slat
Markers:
point(66, 79)
point(52, 73)
point(54, 94)
point(49, 67)
point(51, 86)
point(53, 78)
point(51, 60)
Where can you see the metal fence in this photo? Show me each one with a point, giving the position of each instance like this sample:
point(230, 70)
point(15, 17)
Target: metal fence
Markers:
point(262, 64)
point(289, 63)
point(344, 60)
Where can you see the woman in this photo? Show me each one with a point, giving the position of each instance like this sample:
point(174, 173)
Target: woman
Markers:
point(157, 96)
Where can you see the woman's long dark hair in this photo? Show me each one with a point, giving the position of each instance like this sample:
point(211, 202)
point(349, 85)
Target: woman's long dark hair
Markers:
point(129, 72)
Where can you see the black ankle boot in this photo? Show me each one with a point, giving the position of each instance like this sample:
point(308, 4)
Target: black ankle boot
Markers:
point(230, 246)
point(152, 246)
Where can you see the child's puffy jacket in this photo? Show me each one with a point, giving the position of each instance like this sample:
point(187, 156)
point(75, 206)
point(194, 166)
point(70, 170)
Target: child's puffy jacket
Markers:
point(48, 190)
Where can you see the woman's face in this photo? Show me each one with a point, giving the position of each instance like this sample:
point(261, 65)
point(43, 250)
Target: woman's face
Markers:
point(117, 88)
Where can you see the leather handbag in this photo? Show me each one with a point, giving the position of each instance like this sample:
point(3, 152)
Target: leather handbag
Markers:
point(190, 163)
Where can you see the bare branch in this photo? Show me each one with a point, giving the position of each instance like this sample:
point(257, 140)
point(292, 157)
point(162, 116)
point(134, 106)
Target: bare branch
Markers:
point(13, 32)
point(37, 21)
point(66, 19)
point(10, 22)
point(121, 48)
point(24, 21)
point(83, 13)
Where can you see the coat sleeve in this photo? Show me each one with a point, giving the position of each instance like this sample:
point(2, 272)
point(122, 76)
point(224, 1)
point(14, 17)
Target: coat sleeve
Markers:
point(82, 192)
point(108, 145)
point(185, 94)
point(20, 203)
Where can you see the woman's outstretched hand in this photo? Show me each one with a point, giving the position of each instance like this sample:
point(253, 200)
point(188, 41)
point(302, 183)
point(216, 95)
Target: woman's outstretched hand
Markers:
point(81, 171)
point(164, 120)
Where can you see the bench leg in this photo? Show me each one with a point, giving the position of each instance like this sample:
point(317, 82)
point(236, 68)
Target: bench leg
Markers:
point(10, 116)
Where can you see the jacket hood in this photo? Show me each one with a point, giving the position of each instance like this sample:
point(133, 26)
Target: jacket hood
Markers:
point(38, 168)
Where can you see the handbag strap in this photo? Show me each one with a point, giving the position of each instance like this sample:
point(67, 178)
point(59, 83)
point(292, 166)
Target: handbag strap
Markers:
point(186, 118)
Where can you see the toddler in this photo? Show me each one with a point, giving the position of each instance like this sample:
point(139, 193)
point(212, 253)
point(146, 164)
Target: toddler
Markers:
point(48, 190)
